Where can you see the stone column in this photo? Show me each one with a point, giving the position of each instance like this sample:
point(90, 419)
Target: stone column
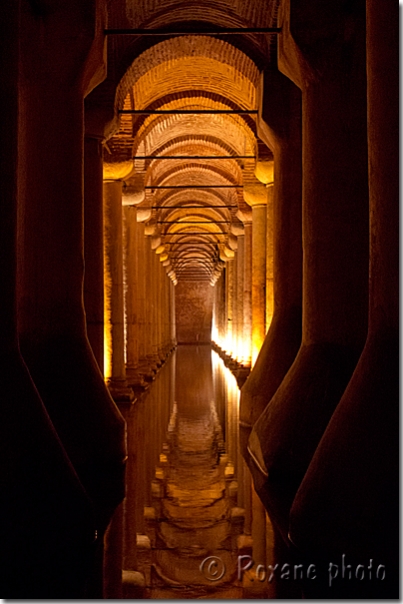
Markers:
point(133, 299)
point(93, 246)
point(150, 310)
point(335, 243)
point(234, 353)
point(269, 256)
point(155, 293)
point(352, 478)
point(131, 280)
point(279, 126)
point(133, 195)
point(115, 368)
point(142, 300)
point(55, 77)
point(256, 196)
point(229, 282)
point(47, 527)
point(247, 293)
point(239, 298)
point(173, 322)
point(160, 310)
point(258, 530)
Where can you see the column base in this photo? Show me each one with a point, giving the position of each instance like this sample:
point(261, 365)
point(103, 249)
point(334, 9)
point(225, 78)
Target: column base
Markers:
point(120, 391)
point(134, 585)
point(242, 374)
point(135, 379)
point(147, 371)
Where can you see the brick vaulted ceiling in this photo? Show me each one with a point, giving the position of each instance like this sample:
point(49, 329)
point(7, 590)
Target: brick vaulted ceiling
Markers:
point(193, 229)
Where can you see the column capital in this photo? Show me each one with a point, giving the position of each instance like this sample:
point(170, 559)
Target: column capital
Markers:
point(144, 213)
point(245, 215)
point(237, 229)
point(118, 170)
point(133, 189)
point(264, 171)
point(155, 239)
point(255, 194)
point(226, 254)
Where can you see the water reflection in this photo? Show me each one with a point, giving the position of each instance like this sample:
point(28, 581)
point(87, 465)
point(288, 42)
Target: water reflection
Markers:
point(183, 500)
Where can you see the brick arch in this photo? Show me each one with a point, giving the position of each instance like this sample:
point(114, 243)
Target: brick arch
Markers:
point(169, 54)
point(231, 130)
point(204, 98)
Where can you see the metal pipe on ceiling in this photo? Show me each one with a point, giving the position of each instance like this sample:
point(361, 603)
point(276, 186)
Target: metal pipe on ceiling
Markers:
point(191, 207)
point(184, 157)
point(193, 187)
point(211, 31)
point(188, 111)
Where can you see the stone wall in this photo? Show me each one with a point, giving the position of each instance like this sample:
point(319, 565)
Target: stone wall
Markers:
point(194, 309)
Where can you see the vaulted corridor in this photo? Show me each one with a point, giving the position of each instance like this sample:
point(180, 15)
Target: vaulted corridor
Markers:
point(200, 299)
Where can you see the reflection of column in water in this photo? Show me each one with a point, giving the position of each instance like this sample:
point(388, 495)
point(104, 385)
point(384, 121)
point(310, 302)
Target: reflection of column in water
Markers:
point(240, 476)
point(130, 502)
point(258, 529)
point(139, 429)
point(232, 404)
point(219, 390)
point(172, 381)
point(247, 480)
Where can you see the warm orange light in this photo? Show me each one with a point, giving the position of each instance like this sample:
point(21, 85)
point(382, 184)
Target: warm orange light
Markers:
point(107, 326)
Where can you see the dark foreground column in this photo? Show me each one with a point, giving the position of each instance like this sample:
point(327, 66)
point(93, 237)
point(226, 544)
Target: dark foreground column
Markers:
point(93, 246)
point(348, 500)
point(56, 74)
point(47, 529)
point(335, 242)
point(280, 128)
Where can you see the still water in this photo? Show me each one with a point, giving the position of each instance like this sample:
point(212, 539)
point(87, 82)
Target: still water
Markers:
point(184, 513)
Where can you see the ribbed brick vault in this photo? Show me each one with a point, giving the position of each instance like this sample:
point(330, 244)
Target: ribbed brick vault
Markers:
point(192, 228)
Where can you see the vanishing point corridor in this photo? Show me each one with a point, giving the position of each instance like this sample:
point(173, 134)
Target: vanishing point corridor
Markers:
point(199, 309)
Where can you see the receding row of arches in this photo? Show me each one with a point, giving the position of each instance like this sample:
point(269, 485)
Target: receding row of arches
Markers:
point(199, 174)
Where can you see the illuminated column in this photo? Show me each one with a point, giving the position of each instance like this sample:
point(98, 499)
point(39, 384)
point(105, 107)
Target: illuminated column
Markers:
point(133, 331)
point(143, 294)
point(55, 75)
point(239, 297)
point(115, 367)
point(229, 293)
point(173, 321)
point(235, 307)
point(269, 256)
point(245, 215)
point(93, 246)
point(133, 195)
point(131, 282)
point(335, 230)
point(155, 307)
point(150, 308)
point(256, 196)
point(162, 309)
point(248, 292)
point(356, 463)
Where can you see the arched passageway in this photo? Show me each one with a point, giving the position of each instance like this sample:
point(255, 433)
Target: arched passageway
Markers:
point(179, 177)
